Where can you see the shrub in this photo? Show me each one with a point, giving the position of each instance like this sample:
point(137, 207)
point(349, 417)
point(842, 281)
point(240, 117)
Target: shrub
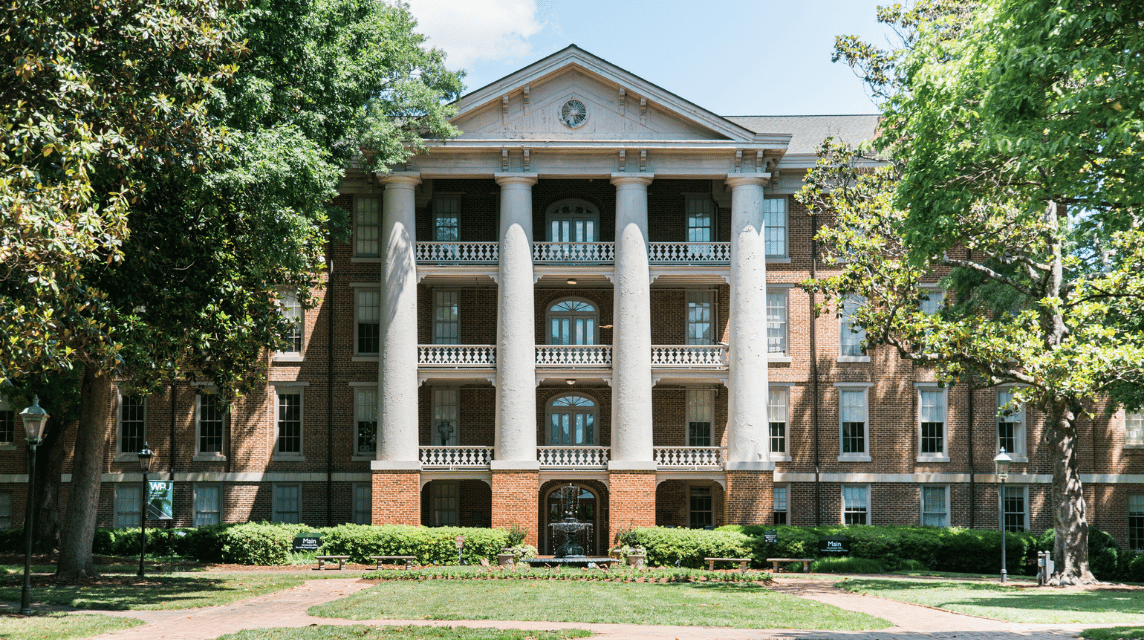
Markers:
point(522, 552)
point(429, 545)
point(260, 543)
point(1103, 552)
point(1132, 566)
point(847, 565)
point(516, 534)
point(689, 546)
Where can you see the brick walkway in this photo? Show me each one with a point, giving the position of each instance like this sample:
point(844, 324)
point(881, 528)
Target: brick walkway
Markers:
point(288, 609)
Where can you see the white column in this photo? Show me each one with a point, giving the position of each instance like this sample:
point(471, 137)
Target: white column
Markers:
point(748, 442)
point(631, 335)
point(515, 445)
point(397, 375)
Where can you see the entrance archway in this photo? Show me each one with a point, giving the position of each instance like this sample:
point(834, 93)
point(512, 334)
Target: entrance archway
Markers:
point(592, 508)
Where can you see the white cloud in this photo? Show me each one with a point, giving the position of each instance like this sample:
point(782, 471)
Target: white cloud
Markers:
point(471, 30)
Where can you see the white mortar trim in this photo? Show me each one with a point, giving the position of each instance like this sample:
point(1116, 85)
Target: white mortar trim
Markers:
point(848, 384)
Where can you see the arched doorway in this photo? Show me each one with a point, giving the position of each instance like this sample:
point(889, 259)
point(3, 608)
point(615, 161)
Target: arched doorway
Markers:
point(572, 221)
point(573, 321)
point(571, 420)
point(591, 509)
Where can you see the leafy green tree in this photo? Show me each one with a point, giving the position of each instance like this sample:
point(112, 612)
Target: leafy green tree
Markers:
point(1009, 169)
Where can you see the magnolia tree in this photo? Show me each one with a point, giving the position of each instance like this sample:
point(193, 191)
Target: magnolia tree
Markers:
point(1006, 172)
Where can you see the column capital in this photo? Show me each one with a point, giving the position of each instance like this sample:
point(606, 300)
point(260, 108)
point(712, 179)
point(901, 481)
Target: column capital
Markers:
point(641, 179)
point(399, 179)
point(747, 179)
point(515, 178)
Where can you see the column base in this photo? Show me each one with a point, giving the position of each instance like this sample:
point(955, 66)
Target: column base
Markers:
point(515, 498)
point(631, 501)
point(750, 497)
point(397, 498)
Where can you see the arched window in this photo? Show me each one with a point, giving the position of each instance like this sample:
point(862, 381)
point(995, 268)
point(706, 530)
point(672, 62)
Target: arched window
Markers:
point(572, 420)
point(572, 321)
point(572, 221)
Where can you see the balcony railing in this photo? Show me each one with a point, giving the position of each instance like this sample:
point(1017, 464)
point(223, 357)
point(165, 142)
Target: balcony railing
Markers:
point(573, 356)
point(457, 252)
point(456, 355)
point(573, 457)
point(688, 457)
point(689, 252)
point(574, 252)
point(707, 356)
point(456, 457)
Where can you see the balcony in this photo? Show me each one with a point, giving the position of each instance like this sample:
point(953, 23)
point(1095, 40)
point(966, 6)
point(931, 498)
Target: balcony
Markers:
point(686, 253)
point(573, 252)
point(573, 457)
point(596, 356)
point(456, 457)
point(707, 356)
point(694, 458)
point(457, 355)
point(446, 253)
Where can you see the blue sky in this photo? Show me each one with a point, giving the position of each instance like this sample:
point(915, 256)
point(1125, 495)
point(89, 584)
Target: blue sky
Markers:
point(747, 57)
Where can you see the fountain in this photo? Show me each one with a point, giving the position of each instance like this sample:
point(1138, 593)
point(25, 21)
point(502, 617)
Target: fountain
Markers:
point(569, 535)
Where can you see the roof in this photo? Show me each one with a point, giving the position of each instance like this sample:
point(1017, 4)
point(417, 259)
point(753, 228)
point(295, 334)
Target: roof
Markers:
point(809, 131)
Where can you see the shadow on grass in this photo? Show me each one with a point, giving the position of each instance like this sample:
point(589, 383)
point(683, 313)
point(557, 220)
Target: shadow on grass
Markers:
point(1111, 601)
point(118, 592)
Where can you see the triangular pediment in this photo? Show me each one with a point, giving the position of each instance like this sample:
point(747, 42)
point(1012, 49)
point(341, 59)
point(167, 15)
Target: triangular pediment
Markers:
point(541, 101)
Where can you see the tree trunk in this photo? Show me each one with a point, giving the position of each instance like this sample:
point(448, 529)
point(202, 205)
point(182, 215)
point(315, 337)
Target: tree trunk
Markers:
point(1070, 521)
point(83, 496)
point(49, 466)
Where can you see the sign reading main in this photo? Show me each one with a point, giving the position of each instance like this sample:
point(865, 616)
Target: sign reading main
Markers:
point(308, 542)
point(834, 545)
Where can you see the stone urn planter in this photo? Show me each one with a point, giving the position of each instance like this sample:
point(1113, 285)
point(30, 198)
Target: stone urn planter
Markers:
point(505, 559)
point(636, 560)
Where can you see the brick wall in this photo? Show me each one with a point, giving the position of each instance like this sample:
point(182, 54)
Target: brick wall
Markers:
point(514, 494)
point(749, 497)
point(632, 501)
point(397, 498)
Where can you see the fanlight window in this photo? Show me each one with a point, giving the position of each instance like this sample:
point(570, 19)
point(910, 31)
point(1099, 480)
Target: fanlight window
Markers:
point(572, 420)
point(572, 322)
point(573, 221)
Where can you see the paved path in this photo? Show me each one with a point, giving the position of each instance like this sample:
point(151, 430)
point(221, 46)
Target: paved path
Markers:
point(288, 609)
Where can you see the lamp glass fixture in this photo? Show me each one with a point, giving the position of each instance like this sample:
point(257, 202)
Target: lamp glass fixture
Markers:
point(34, 420)
point(571, 280)
point(570, 381)
point(145, 456)
point(1002, 462)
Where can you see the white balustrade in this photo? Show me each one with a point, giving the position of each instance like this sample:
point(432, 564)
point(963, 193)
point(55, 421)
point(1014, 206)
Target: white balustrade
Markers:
point(456, 457)
point(457, 252)
point(573, 457)
point(573, 355)
point(574, 252)
point(689, 252)
point(456, 355)
point(708, 356)
point(688, 457)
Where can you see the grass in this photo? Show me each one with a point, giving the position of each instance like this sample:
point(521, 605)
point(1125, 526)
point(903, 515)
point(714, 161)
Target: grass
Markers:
point(60, 626)
point(1014, 604)
point(1115, 633)
point(360, 632)
point(739, 605)
point(175, 591)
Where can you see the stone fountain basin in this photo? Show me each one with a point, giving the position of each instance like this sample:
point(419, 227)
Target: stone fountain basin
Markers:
point(569, 561)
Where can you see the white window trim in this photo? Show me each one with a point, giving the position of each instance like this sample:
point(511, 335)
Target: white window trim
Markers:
point(841, 327)
point(785, 257)
point(922, 504)
point(138, 490)
point(17, 430)
point(842, 502)
point(784, 456)
point(556, 206)
point(293, 356)
point(358, 257)
point(783, 356)
point(710, 393)
point(944, 455)
point(195, 504)
point(865, 388)
point(774, 505)
point(209, 456)
point(353, 510)
point(433, 319)
point(357, 355)
point(549, 410)
point(1001, 504)
point(357, 387)
point(288, 388)
point(274, 500)
point(594, 315)
point(1124, 427)
point(126, 456)
point(713, 300)
point(1021, 454)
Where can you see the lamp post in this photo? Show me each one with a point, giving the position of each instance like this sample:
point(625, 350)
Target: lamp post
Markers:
point(1002, 463)
point(145, 456)
point(460, 540)
point(34, 420)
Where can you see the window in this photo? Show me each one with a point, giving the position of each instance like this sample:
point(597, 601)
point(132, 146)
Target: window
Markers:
point(132, 423)
point(700, 416)
point(572, 221)
point(777, 415)
point(700, 513)
point(572, 322)
point(932, 300)
point(363, 504)
point(852, 424)
point(368, 303)
point(208, 504)
point(931, 424)
point(850, 336)
point(775, 225)
point(700, 218)
point(5, 509)
point(287, 503)
point(128, 506)
point(1136, 522)
point(1010, 425)
point(446, 317)
point(443, 496)
point(572, 420)
point(1013, 506)
point(777, 322)
point(288, 441)
point(447, 219)
point(366, 227)
point(780, 509)
point(292, 312)
point(855, 504)
point(1133, 428)
point(209, 416)
point(445, 417)
point(365, 418)
point(935, 506)
point(700, 325)
point(7, 423)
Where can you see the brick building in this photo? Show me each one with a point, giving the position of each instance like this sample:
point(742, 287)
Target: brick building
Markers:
point(596, 283)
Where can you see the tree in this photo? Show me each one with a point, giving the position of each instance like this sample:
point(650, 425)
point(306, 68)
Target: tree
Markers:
point(1010, 171)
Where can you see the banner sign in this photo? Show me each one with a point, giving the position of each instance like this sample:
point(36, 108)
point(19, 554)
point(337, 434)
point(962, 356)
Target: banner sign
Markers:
point(308, 542)
point(834, 545)
point(160, 500)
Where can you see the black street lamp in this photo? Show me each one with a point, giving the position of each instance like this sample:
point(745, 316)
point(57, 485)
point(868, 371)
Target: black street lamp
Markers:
point(1002, 462)
point(144, 465)
point(34, 420)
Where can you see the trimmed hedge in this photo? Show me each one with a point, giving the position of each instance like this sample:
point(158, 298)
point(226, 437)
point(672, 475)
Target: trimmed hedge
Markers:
point(688, 546)
point(430, 545)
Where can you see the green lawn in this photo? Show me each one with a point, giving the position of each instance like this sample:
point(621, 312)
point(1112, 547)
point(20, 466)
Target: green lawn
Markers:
point(739, 605)
point(60, 626)
point(175, 591)
point(1015, 604)
point(359, 632)
point(1115, 633)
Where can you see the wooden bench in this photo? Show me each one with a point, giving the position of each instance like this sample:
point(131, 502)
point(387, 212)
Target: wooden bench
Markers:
point(805, 563)
point(408, 560)
point(743, 562)
point(324, 559)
